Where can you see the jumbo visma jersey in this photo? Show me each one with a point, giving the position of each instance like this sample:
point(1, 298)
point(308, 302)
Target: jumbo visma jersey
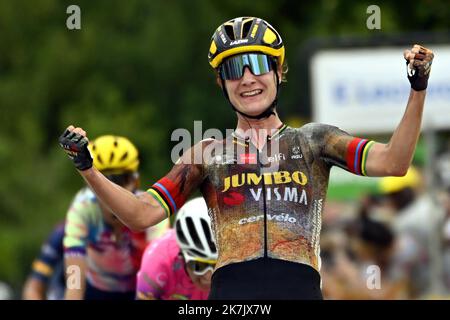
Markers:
point(268, 202)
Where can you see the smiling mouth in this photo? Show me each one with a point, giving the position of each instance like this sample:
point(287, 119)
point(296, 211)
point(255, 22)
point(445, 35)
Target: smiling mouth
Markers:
point(251, 93)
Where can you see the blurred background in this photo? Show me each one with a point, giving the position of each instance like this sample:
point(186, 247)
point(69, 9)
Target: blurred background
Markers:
point(139, 69)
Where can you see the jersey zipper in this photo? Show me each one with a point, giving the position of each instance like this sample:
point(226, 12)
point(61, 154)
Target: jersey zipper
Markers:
point(264, 203)
point(280, 129)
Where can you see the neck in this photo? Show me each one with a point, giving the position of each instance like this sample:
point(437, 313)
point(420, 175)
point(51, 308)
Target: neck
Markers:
point(258, 130)
point(272, 122)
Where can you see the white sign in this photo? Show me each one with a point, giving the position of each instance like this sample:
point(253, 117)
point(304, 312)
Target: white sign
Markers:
point(366, 90)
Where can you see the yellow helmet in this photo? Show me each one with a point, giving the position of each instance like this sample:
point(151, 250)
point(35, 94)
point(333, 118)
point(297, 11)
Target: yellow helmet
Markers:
point(114, 155)
point(245, 34)
point(395, 184)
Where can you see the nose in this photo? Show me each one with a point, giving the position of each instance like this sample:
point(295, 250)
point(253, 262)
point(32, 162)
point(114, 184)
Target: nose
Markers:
point(248, 77)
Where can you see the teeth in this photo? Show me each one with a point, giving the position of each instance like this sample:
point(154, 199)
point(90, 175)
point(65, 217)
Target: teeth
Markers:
point(251, 93)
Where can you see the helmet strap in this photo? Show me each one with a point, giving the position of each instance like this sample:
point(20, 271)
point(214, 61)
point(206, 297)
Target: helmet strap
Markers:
point(270, 110)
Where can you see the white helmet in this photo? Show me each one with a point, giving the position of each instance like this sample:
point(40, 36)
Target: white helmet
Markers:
point(194, 234)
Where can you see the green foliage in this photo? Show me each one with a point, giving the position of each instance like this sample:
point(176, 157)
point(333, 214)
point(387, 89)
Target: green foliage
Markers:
point(138, 69)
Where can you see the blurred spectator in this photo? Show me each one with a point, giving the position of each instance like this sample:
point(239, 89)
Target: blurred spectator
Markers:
point(446, 244)
point(443, 166)
point(369, 243)
point(417, 219)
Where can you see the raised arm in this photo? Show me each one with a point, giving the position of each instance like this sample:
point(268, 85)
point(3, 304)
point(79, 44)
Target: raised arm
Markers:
point(394, 158)
point(137, 213)
point(146, 209)
point(370, 158)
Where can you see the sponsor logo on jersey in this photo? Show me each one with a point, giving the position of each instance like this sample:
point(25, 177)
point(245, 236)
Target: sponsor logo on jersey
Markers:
point(270, 178)
point(283, 217)
point(317, 216)
point(296, 154)
point(161, 279)
point(226, 159)
point(277, 158)
point(233, 199)
point(286, 194)
point(177, 265)
point(247, 158)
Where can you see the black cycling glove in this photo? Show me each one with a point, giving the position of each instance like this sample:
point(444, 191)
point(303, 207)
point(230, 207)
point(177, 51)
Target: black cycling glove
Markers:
point(76, 147)
point(419, 72)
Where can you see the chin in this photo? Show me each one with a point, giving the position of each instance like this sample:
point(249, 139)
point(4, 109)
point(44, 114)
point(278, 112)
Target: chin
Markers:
point(256, 108)
point(252, 111)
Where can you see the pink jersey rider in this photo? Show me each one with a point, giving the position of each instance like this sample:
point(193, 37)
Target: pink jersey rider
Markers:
point(163, 275)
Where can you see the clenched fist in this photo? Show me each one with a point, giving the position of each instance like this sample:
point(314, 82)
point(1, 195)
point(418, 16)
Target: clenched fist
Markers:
point(75, 144)
point(418, 62)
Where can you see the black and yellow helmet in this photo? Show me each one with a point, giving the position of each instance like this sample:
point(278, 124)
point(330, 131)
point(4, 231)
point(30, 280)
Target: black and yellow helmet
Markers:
point(114, 155)
point(245, 34)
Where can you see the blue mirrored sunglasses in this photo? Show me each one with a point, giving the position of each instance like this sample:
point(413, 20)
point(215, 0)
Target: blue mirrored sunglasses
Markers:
point(258, 63)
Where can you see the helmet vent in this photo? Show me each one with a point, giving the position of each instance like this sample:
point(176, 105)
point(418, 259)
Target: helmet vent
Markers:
point(197, 253)
point(99, 159)
point(124, 156)
point(115, 143)
point(246, 28)
point(193, 233)
point(211, 245)
point(111, 157)
point(229, 31)
point(180, 234)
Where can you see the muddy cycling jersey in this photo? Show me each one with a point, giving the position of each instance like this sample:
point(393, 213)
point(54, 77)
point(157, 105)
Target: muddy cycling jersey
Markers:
point(268, 202)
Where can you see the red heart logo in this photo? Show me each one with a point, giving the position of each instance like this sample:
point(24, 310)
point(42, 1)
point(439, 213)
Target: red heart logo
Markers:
point(233, 199)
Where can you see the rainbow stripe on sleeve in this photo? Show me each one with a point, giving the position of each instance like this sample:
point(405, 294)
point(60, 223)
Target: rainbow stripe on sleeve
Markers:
point(168, 195)
point(357, 155)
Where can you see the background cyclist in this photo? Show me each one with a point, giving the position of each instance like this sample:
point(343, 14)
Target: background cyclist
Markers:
point(179, 265)
point(106, 252)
